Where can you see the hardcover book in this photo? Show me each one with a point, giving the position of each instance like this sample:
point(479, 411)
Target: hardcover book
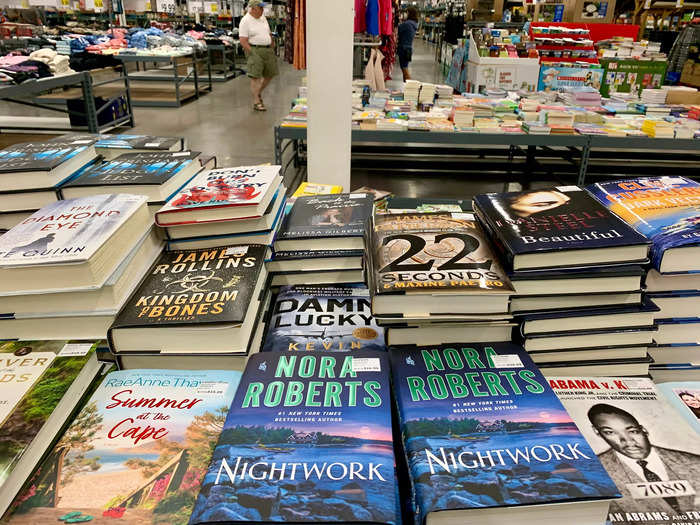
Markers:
point(555, 227)
point(330, 318)
point(136, 452)
point(684, 397)
point(222, 194)
point(313, 260)
point(308, 438)
point(665, 210)
point(40, 385)
point(648, 449)
point(114, 145)
point(483, 430)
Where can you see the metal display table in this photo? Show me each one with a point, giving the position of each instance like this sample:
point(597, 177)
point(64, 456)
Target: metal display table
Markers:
point(165, 85)
point(222, 61)
point(78, 86)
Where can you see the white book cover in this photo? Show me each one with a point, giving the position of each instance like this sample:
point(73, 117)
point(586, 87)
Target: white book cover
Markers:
point(67, 232)
point(242, 186)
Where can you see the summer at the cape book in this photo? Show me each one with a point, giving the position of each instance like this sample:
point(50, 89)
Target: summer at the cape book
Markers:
point(326, 222)
point(136, 452)
point(484, 433)
point(562, 226)
point(647, 448)
point(665, 209)
point(330, 318)
point(41, 384)
point(222, 194)
point(308, 439)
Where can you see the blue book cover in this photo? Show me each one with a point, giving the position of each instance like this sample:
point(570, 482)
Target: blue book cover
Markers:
point(482, 428)
point(39, 156)
point(665, 209)
point(308, 438)
point(328, 318)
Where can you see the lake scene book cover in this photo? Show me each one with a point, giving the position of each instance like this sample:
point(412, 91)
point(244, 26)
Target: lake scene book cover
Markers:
point(308, 439)
point(136, 452)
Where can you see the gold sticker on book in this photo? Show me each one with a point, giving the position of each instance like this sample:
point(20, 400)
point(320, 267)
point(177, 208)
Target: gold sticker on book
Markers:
point(364, 333)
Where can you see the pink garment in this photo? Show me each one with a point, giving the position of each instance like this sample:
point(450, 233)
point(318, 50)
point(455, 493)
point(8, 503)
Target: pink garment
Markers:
point(360, 24)
point(386, 19)
point(13, 60)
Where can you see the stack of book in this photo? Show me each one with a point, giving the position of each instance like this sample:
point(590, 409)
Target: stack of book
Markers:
point(434, 278)
point(411, 92)
point(445, 95)
point(464, 117)
point(665, 210)
point(427, 93)
point(67, 269)
point(657, 128)
point(321, 240)
point(575, 268)
point(225, 206)
point(653, 96)
point(31, 173)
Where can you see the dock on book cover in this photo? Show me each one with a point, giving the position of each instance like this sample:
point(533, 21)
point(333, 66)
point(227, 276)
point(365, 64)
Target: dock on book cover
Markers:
point(308, 438)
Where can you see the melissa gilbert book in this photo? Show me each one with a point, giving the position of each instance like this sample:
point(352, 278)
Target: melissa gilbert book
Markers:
point(136, 453)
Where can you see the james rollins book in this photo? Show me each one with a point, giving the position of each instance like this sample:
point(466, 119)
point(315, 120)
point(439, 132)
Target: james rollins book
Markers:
point(308, 438)
point(137, 451)
point(562, 226)
point(665, 209)
point(330, 318)
point(648, 449)
point(482, 428)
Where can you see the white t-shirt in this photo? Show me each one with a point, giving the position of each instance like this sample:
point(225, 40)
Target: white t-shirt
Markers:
point(257, 30)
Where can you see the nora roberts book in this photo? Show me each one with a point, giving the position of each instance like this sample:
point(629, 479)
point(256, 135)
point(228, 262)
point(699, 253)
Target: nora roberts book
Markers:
point(326, 222)
point(41, 385)
point(648, 449)
point(194, 301)
point(488, 442)
point(308, 439)
point(557, 227)
point(135, 453)
point(433, 263)
point(222, 194)
point(71, 244)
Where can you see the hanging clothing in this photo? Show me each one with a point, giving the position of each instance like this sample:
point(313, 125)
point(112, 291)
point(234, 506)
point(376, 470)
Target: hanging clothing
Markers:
point(372, 17)
point(289, 33)
point(386, 17)
point(360, 13)
point(373, 71)
point(300, 34)
point(388, 49)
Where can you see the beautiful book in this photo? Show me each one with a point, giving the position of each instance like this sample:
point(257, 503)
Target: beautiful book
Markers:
point(156, 175)
point(308, 438)
point(488, 441)
point(551, 303)
point(330, 318)
point(557, 227)
point(608, 279)
point(41, 385)
point(648, 449)
point(433, 263)
point(33, 165)
point(71, 244)
point(311, 260)
point(684, 330)
point(194, 301)
point(665, 210)
point(222, 194)
point(675, 353)
point(685, 398)
point(656, 282)
point(136, 452)
point(676, 305)
point(593, 338)
point(326, 222)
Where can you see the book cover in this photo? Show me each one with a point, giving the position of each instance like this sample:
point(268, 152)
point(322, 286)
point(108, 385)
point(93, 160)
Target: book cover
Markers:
point(308, 438)
point(685, 398)
point(648, 449)
point(433, 252)
point(665, 209)
point(66, 232)
point(189, 287)
point(553, 219)
point(122, 141)
point(482, 428)
point(136, 452)
point(39, 156)
point(136, 168)
point(320, 216)
point(34, 376)
point(293, 255)
point(242, 186)
point(330, 318)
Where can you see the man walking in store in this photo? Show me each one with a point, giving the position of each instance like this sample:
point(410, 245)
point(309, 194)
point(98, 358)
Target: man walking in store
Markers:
point(406, 33)
point(256, 39)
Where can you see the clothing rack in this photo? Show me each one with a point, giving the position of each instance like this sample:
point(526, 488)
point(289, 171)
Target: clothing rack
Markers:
point(359, 58)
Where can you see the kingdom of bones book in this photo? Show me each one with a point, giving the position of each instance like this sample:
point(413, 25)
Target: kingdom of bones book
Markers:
point(330, 318)
point(308, 438)
point(482, 429)
point(648, 449)
point(665, 209)
point(136, 452)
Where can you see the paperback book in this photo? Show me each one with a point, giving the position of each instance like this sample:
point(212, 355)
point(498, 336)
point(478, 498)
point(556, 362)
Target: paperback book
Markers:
point(136, 452)
point(308, 438)
point(648, 449)
point(329, 318)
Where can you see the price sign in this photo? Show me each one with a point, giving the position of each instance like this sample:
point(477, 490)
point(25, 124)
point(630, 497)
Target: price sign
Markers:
point(98, 3)
point(214, 7)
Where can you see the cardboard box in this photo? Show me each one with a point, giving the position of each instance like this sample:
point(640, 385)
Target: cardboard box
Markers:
point(691, 74)
point(683, 96)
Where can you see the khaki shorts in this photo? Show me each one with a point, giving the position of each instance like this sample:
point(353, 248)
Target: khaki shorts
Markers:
point(262, 62)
